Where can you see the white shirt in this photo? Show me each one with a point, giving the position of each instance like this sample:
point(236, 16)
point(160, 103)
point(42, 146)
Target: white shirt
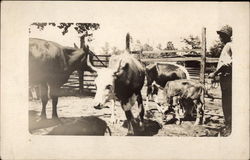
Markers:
point(226, 55)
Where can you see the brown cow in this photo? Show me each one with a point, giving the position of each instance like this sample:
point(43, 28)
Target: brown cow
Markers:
point(50, 66)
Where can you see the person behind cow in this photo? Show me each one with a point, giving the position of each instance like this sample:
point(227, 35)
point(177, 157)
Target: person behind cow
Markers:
point(224, 70)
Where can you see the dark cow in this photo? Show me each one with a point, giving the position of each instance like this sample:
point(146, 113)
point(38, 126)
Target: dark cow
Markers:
point(178, 92)
point(50, 66)
point(161, 73)
point(123, 79)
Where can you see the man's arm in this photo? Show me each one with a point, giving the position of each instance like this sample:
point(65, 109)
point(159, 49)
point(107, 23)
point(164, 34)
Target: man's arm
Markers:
point(223, 69)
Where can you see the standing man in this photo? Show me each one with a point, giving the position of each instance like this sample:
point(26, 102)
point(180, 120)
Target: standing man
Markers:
point(224, 70)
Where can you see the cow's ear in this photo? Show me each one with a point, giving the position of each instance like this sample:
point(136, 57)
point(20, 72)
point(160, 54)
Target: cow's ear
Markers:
point(86, 48)
point(125, 66)
point(75, 46)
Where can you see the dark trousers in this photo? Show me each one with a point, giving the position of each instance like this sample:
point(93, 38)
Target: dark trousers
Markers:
point(226, 89)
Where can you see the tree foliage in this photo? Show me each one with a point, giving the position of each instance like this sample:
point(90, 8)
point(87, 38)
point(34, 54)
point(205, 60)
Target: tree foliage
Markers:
point(192, 42)
point(215, 49)
point(137, 46)
point(147, 47)
point(159, 46)
point(170, 46)
point(106, 48)
point(116, 51)
point(80, 28)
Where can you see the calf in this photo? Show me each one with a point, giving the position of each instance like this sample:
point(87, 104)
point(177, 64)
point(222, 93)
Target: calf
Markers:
point(179, 91)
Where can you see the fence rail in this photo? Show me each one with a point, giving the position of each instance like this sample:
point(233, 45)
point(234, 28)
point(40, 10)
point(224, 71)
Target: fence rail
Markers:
point(171, 51)
point(180, 59)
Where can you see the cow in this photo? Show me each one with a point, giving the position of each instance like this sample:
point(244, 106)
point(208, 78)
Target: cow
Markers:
point(50, 66)
point(123, 79)
point(176, 93)
point(161, 73)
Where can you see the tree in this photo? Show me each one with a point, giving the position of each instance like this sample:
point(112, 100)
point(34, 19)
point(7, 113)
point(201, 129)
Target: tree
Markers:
point(137, 46)
point(106, 48)
point(170, 46)
point(192, 42)
point(215, 49)
point(116, 51)
point(147, 47)
point(159, 46)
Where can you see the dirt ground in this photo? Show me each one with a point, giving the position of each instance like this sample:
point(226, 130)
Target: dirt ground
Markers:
point(79, 117)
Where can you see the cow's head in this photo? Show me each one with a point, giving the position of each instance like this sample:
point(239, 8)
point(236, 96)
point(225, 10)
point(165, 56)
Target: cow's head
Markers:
point(76, 58)
point(105, 85)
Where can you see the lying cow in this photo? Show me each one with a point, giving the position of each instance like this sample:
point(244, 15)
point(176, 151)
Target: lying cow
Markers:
point(123, 79)
point(50, 66)
point(178, 91)
point(161, 73)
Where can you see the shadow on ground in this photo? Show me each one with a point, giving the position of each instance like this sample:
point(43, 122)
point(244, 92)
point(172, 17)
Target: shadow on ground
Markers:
point(89, 125)
point(149, 128)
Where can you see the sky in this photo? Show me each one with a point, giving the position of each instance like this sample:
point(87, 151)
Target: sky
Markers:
point(149, 22)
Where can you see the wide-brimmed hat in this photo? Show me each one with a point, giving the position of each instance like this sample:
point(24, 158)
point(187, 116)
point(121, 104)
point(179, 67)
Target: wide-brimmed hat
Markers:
point(226, 30)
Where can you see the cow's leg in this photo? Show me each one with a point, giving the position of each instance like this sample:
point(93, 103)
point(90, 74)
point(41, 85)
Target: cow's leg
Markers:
point(147, 102)
point(158, 105)
point(177, 109)
point(44, 98)
point(80, 78)
point(141, 108)
point(129, 117)
point(199, 112)
point(126, 106)
point(149, 91)
point(113, 118)
point(54, 91)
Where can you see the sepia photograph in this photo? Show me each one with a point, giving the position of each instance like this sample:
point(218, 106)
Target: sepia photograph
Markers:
point(100, 79)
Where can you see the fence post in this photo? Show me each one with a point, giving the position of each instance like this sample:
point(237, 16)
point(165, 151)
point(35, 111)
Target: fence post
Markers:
point(203, 56)
point(128, 42)
point(80, 71)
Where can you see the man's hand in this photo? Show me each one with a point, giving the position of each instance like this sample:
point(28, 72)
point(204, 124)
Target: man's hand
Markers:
point(211, 75)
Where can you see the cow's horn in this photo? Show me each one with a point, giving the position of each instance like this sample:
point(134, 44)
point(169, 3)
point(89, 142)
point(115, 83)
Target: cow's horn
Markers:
point(75, 46)
point(90, 65)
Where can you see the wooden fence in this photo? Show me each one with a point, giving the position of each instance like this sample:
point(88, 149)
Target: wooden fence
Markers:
point(197, 73)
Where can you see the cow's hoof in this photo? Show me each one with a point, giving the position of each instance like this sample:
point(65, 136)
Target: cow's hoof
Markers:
point(130, 134)
point(56, 119)
point(197, 123)
point(141, 127)
point(43, 117)
point(178, 122)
